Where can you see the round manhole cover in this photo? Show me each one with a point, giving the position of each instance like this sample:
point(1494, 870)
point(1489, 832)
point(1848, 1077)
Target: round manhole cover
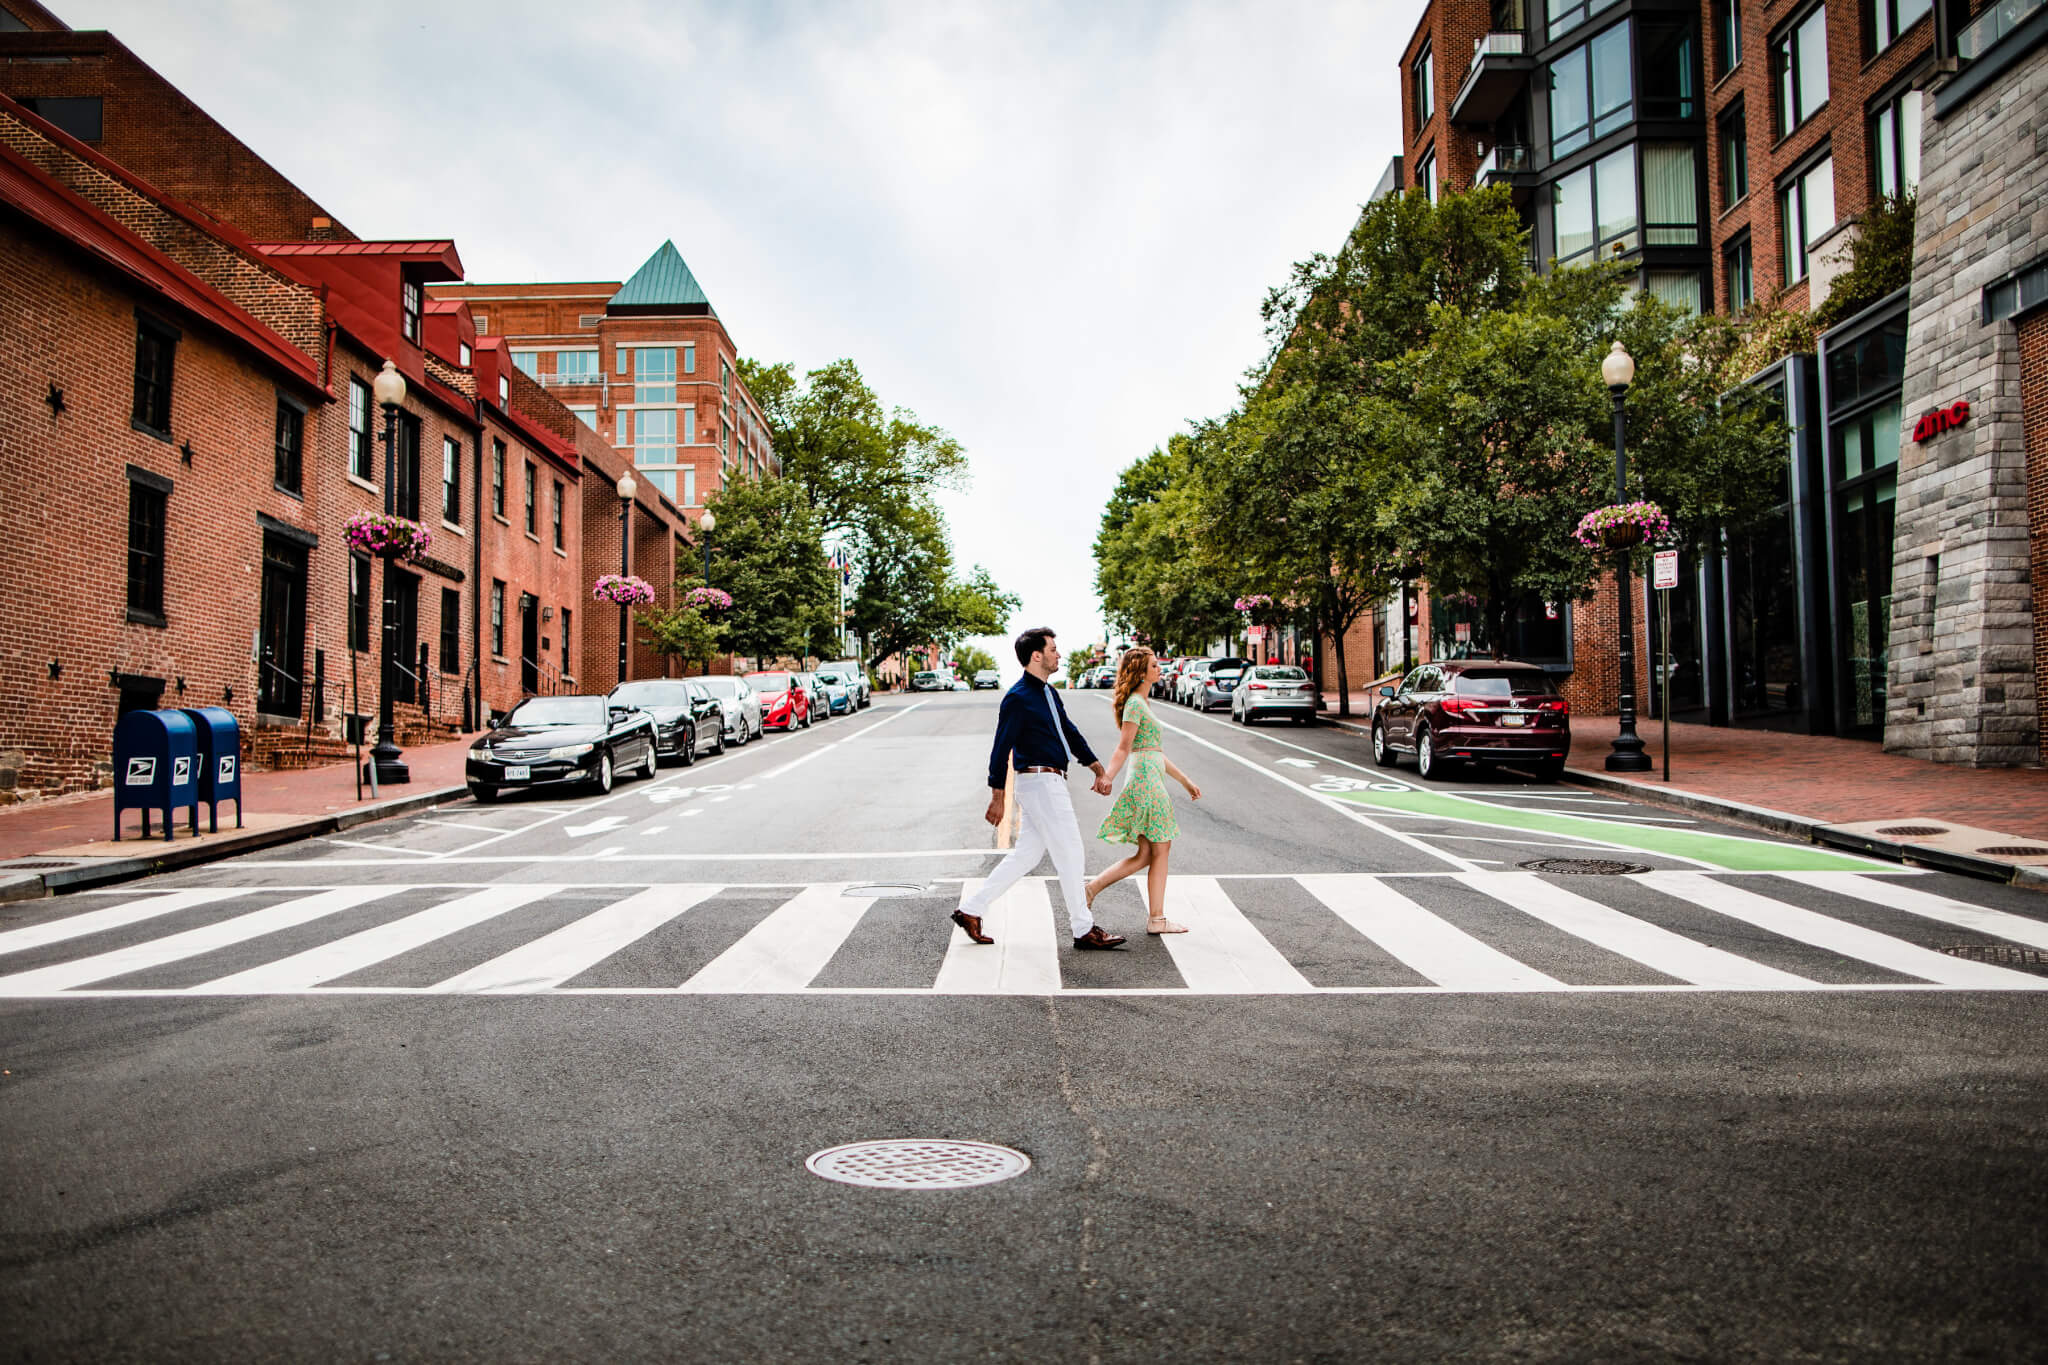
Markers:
point(918, 1164)
point(1582, 867)
point(2003, 955)
point(2016, 850)
point(878, 890)
point(1912, 830)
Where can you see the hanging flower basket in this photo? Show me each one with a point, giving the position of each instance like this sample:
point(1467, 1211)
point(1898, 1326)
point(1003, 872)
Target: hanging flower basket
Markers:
point(712, 600)
point(1622, 526)
point(373, 533)
point(623, 590)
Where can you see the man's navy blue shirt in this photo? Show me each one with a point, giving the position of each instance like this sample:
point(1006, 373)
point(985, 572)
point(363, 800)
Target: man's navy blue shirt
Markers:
point(1025, 733)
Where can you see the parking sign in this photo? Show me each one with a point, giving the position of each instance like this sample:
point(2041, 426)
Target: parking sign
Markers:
point(1665, 571)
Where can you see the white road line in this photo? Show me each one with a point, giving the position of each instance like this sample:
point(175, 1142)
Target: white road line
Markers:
point(733, 856)
point(1652, 945)
point(329, 961)
point(1895, 896)
point(1023, 960)
point(784, 951)
point(1424, 940)
point(113, 917)
point(1223, 953)
point(1839, 936)
point(575, 948)
point(458, 824)
point(54, 980)
point(378, 848)
point(858, 734)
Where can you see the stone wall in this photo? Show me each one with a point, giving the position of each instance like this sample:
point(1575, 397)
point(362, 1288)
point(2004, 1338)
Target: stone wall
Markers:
point(1962, 686)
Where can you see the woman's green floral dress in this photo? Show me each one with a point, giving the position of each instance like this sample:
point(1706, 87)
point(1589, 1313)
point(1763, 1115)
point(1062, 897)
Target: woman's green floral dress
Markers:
point(1142, 809)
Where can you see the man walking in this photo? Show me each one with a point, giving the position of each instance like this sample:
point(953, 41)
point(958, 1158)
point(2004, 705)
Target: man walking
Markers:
point(1033, 732)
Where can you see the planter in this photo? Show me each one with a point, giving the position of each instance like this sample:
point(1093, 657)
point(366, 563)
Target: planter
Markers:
point(1621, 538)
point(623, 590)
point(399, 538)
point(710, 601)
point(1622, 526)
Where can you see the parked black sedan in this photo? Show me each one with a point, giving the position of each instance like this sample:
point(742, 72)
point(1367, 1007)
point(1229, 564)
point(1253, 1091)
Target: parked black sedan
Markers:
point(552, 741)
point(686, 717)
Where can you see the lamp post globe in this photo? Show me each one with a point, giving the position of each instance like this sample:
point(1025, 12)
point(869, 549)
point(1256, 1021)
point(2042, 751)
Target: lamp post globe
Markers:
point(388, 760)
point(1618, 371)
point(626, 487)
point(707, 524)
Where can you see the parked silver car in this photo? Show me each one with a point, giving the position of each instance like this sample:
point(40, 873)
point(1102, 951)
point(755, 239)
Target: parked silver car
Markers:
point(1218, 686)
point(741, 705)
point(1273, 690)
point(839, 693)
point(856, 680)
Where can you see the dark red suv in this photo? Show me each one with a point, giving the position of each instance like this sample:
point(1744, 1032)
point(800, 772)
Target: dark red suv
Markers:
point(1474, 711)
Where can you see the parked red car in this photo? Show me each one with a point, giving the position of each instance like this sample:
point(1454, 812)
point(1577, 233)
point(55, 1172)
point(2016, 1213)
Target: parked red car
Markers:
point(1464, 711)
point(785, 701)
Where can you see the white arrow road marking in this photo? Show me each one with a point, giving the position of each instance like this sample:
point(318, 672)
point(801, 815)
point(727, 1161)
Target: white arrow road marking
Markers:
point(664, 794)
point(597, 826)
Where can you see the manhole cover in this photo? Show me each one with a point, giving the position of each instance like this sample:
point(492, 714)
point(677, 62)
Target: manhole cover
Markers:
point(2016, 850)
point(1914, 830)
point(878, 890)
point(918, 1164)
point(2003, 955)
point(1582, 867)
point(29, 867)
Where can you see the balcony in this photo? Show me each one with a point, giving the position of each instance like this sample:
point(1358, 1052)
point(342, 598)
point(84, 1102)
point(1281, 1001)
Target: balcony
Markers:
point(572, 380)
point(1511, 164)
point(1499, 71)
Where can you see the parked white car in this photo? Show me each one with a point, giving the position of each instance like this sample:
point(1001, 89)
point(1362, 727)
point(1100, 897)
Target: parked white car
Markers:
point(741, 705)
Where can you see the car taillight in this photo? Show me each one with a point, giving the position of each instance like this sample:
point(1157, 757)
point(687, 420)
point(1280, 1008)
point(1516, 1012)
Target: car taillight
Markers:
point(1255, 687)
point(1459, 705)
point(1554, 704)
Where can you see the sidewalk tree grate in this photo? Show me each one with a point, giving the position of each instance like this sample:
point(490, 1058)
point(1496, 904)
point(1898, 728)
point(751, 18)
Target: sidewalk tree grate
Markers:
point(880, 890)
point(918, 1164)
point(2016, 850)
point(1913, 831)
point(1583, 867)
point(2003, 955)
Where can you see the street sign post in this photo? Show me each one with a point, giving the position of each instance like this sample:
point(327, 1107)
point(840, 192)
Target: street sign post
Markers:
point(1664, 577)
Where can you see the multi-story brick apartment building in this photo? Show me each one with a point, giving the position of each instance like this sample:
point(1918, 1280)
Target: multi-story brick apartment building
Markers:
point(647, 364)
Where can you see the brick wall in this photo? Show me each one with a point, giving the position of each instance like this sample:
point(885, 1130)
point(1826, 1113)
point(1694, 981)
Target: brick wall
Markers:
point(1449, 29)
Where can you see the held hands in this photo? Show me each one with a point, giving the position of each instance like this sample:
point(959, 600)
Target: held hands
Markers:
point(1101, 785)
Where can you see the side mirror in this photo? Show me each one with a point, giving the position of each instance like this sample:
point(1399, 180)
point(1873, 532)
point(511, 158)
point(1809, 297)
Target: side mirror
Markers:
point(1386, 691)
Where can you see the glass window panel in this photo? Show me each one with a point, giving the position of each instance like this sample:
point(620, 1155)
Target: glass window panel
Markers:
point(689, 426)
point(1812, 43)
point(1614, 194)
point(1794, 239)
point(1819, 187)
point(1734, 158)
point(655, 381)
point(1887, 135)
point(574, 366)
point(1680, 288)
point(1611, 80)
point(1671, 201)
point(1909, 140)
point(1741, 282)
point(1569, 110)
point(1574, 214)
point(529, 361)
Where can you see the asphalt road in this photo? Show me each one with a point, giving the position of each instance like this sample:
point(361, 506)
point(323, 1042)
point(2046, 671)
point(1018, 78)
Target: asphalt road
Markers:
point(538, 1081)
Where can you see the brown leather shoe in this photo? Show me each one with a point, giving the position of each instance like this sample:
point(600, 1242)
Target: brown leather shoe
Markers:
point(972, 924)
point(1095, 938)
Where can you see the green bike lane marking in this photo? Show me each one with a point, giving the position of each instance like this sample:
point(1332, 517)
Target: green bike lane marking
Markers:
point(1728, 851)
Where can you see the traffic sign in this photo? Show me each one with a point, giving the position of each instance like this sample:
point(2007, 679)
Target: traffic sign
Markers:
point(1666, 569)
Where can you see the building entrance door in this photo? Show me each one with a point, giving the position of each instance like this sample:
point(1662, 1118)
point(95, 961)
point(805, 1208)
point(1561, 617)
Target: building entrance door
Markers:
point(529, 643)
point(402, 619)
point(281, 628)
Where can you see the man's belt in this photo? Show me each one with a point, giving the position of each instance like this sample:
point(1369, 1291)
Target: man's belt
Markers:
point(1061, 771)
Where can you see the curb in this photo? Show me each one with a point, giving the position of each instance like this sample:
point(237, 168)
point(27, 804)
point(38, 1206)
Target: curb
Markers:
point(108, 871)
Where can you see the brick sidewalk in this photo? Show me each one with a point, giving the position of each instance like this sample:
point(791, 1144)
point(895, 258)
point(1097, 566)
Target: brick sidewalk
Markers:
point(40, 826)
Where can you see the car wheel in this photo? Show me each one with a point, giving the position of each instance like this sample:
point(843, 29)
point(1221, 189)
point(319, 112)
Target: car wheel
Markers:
point(689, 746)
point(648, 762)
point(604, 774)
point(484, 795)
point(761, 730)
point(718, 740)
point(1382, 752)
point(1426, 761)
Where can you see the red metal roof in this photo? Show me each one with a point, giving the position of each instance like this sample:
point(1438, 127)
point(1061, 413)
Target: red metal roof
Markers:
point(24, 187)
point(439, 253)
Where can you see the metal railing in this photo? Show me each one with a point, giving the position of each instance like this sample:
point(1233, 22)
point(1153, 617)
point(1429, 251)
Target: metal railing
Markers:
point(1494, 45)
point(1505, 158)
point(556, 381)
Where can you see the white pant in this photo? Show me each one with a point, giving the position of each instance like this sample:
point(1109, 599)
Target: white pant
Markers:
point(1045, 824)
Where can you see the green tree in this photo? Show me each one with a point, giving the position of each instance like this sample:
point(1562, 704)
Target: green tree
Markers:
point(684, 632)
point(770, 556)
point(969, 660)
point(1153, 570)
point(907, 594)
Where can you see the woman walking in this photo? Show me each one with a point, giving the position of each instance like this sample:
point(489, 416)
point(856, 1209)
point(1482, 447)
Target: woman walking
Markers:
point(1143, 813)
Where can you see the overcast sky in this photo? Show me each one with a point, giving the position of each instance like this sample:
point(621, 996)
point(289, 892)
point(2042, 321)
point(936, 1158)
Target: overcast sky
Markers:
point(1046, 228)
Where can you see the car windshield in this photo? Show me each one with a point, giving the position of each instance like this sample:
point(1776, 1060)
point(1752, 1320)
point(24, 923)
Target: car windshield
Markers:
point(727, 688)
point(545, 712)
point(1271, 673)
point(1504, 682)
point(769, 682)
point(930, 677)
point(1226, 672)
point(652, 694)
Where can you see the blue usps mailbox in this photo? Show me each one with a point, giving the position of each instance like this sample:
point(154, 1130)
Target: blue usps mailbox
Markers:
point(156, 761)
point(220, 761)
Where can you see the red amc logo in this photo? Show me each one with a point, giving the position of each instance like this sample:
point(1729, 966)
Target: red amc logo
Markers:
point(1932, 424)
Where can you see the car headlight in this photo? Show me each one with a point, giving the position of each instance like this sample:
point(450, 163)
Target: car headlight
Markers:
point(570, 751)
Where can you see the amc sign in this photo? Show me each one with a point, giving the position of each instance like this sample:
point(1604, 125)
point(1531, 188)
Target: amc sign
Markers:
point(1932, 424)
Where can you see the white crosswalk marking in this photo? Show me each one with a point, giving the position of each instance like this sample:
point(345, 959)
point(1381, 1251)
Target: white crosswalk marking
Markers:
point(791, 941)
point(575, 948)
point(1837, 936)
point(64, 976)
point(1437, 949)
point(1023, 960)
point(329, 961)
point(784, 951)
point(1223, 954)
point(1652, 945)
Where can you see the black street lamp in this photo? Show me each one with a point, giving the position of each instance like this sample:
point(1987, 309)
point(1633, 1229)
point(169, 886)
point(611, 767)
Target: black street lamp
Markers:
point(627, 488)
point(1619, 371)
point(387, 758)
point(705, 524)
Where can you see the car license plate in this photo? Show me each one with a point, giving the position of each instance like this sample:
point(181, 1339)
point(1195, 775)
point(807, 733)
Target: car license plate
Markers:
point(1514, 720)
point(519, 773)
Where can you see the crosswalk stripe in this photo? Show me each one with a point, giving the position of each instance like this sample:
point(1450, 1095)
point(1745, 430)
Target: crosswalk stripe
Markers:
point(114, 917)
point(1839, 936)
point(1223, 953)
point(1023, 960)
point(1895, 894)
point(576, 947)
point(329, 961)
point(63, 976)
point(1423, 940)
point(787, 949)
point(1652, 945)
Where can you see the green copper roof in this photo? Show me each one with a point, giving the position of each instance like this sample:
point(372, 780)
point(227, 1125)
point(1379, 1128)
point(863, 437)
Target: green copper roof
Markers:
point(663, 282)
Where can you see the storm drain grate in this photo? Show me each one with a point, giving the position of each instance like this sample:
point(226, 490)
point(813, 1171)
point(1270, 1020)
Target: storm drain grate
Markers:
point(1582, 867)
point(30, 867)
point(918, 1164)
point(1913, 831)
point(2016, 850)
point(879, 890)
point(2003, 955)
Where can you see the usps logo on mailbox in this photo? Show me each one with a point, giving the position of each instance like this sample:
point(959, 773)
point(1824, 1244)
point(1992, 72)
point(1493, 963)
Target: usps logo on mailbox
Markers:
point(181, 771)
point(227, 769)
point(141, 771)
